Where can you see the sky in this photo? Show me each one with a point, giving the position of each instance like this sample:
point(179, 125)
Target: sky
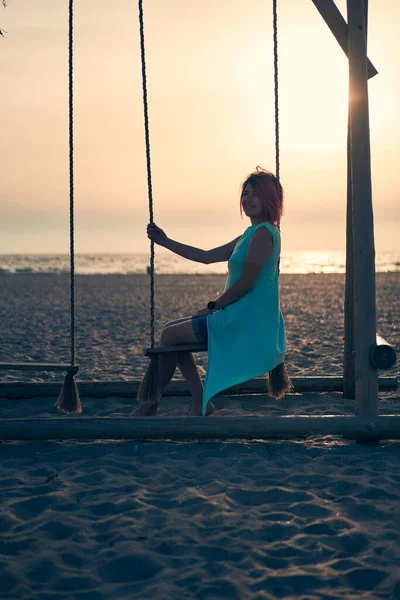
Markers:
point(211, 111)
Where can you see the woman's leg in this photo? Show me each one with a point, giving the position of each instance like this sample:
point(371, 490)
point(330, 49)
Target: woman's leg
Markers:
point(177, 321)
point(168, 363)
point(188, 368)
point(187, 365)
point(174, 334)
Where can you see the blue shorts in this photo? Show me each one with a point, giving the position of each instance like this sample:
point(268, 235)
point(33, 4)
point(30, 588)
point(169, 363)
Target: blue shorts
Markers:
point(199, 325)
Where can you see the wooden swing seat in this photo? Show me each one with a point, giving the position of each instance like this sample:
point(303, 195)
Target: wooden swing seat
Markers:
point(383, 355)
point(32, 366)
point(179, 348)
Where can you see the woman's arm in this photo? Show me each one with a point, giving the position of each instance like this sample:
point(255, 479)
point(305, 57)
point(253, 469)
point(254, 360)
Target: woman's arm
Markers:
point(159, 237)
point(206, 257)
point(257, 253)
point(189, 252)
point(222, 253)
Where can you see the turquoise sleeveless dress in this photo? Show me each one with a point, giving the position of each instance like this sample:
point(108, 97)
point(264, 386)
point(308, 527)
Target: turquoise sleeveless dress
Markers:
point(247, 338)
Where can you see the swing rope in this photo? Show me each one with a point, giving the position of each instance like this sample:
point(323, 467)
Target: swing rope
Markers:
point(149, 391)
point(68, 401)
point(148, 166)
point(276, 91)
point(147, 140)
point(276, 100)
point(71, 177)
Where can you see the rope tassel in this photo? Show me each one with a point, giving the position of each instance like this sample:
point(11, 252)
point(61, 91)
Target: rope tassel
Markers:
point(68, 401)
point(278, 382)
point(150, 391)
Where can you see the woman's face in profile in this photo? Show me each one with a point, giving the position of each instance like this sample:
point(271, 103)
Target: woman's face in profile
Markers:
point(251, 203)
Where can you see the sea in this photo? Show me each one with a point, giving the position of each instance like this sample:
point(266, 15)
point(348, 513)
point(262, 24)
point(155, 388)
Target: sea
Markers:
point(300, 262)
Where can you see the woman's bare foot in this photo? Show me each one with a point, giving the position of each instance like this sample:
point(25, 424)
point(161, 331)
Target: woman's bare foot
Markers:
point(196, 409)
point(146, 409)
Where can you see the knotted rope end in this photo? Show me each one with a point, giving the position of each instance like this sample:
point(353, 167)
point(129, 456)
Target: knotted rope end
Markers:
point(68, 401)
point(150, 390)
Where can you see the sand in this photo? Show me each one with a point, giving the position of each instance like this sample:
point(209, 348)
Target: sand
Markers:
point(302, 520)
point(113, 319)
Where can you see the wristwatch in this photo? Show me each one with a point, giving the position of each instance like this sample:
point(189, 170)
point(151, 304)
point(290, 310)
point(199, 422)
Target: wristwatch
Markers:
point(211, 305)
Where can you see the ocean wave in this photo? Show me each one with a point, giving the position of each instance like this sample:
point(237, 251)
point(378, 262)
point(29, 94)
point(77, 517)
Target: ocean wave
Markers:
point(306, 262)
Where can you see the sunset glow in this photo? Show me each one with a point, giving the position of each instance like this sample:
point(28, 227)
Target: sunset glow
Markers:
point(210, 86)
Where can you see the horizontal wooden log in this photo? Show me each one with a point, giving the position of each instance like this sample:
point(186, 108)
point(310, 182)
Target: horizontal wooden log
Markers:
point(336, 23)
point(128, 389)
point(32, 366)
point(196, 428)
point(383, 355)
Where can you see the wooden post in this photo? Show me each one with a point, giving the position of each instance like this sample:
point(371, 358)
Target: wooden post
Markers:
point(349, 351)
point(366, 376)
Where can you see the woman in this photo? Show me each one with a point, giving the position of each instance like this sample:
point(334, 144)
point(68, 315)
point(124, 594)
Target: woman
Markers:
point(244, 327)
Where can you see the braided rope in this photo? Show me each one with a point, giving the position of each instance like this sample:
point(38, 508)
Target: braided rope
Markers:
point(71, 177)
point(148, 163)
point(276, 91)
point(147, 138)
point(276, 98)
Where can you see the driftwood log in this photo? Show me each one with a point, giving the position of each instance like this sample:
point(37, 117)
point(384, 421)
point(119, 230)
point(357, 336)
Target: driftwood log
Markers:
point(129, 389)
point(196, 428)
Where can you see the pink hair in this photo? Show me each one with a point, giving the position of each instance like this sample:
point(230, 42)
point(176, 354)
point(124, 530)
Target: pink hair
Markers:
point(269, 191)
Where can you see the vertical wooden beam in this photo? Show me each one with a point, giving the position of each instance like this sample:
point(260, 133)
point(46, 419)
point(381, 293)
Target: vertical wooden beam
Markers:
point(366, 376)
point(349, 351)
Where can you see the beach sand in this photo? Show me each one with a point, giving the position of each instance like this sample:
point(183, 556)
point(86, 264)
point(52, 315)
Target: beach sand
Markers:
point(113, 319)
point(304, 520)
